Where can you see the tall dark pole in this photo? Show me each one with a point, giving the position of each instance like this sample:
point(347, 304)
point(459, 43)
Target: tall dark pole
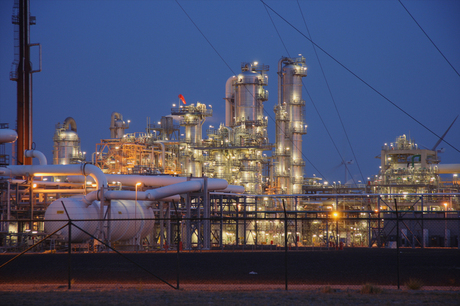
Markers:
point(285, 247)
point(23, 76)
point(397, 241)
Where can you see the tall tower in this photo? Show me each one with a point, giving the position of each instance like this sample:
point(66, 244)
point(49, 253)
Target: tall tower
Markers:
point(22, 73)
point(244, 138)
point(290, 126)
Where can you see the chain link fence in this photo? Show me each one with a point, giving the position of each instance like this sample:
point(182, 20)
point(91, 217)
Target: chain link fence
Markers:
point(305, 250)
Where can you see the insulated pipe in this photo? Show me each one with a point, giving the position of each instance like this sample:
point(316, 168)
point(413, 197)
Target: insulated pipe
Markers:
point(229, 93)
point(280, 79)
point(47, 183)
point(162, 154)
point(163, 192)
point(150, 195)
point(449, 168)
point(57, 170)
point(70, 121)
point(163, 180)
point(7, 136)
point(233, 189)
point(37, 154)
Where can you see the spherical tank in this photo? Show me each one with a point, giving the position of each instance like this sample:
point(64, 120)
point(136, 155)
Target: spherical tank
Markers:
point(122, 230)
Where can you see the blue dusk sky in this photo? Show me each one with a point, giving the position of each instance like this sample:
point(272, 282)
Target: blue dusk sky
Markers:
point(136, 57)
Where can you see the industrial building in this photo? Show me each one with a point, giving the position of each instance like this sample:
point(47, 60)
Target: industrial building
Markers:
point(229, 183)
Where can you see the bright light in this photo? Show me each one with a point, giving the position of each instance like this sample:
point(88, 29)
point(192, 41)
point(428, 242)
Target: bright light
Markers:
point(34, 186)
point(335, 214)
point(138, 184)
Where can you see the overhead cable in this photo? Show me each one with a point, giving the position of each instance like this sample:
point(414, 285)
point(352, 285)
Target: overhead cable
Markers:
point(332, 97)
point(428, 37)
point(359, 78)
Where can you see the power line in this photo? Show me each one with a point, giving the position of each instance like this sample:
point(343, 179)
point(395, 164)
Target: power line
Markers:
point(276, 124)
point(356, 76)
point(205, 38)
point(428, 37)
point(332, 97)
point(235, 74)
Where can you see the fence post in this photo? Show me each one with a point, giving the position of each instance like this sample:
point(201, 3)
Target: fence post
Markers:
point(397, 241)
point(285, 247)
point(178, 243)
point(70, 253)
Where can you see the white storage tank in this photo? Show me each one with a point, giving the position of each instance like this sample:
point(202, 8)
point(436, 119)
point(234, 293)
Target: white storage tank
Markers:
point(120, 209)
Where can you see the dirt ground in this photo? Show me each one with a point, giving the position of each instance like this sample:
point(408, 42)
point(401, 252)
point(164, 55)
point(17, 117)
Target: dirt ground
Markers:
point(57, 295)
point(232, 278)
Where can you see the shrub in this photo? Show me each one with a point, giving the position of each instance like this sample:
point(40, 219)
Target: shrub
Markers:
point(370, 289)
point(327, 289)
point(414, 284)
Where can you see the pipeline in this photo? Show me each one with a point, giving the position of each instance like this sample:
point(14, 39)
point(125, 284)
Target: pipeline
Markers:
point(37, 154)
point(56, 170)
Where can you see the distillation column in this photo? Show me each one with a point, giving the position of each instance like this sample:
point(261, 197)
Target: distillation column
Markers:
point(192, 119)
point(67, 144)
point(290, 125)
point(245, 94)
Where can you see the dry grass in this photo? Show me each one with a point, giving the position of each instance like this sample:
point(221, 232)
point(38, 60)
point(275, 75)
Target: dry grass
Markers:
point(371, 289)
point(145, 296)
point(414, 284)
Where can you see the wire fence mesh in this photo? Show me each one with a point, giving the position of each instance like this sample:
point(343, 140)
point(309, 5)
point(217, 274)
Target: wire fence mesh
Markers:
point(394, 250)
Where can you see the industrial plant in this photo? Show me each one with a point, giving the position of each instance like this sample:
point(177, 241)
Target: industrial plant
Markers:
point(211, 185)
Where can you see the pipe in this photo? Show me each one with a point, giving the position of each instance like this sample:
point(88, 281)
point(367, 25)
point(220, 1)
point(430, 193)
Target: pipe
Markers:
point(57, 170)
point(449, 168)
point(150, 195)
point(37, 154)
point(153, 181)
point(162, 154)
point(45, 190)
point(163, 180)
point(7, 136)
point(280, 80)
point(229, 93)
point(233, 189)
point(70, 121)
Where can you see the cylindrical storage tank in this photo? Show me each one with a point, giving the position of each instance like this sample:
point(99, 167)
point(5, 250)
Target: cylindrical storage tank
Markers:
point(7, 136)
point(119, 230)
point(246, 91)
point(66, 147)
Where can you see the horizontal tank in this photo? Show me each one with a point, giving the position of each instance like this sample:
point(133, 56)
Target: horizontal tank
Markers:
point(119, 230)
point(7, 136)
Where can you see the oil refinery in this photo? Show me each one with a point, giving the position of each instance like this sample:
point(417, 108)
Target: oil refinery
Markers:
point(229, 183)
